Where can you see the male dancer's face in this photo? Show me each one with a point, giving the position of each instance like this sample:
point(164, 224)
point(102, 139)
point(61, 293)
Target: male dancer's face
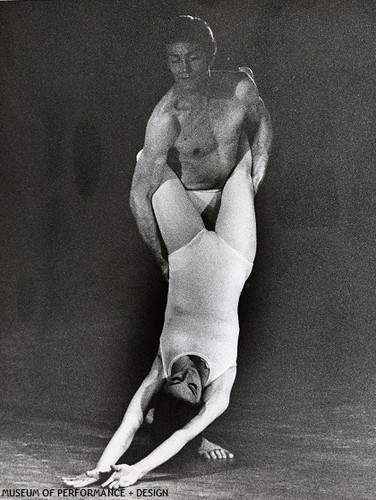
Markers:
point(188, 64)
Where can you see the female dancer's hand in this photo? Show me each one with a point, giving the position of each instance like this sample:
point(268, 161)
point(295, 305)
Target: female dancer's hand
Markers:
point(124, 475)
point(88, 477)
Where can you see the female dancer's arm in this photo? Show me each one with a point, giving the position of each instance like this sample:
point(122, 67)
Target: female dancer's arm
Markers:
point(217, 398)
point(130, 424)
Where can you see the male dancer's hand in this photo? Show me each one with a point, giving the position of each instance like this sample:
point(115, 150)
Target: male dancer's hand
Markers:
point(258, 170)
point(165, 270)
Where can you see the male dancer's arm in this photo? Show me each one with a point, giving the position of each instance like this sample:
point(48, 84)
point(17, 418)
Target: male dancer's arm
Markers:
point(216, 399)
point(132, 421)
point(256, 113)
point(140, 203)
point(151, 170)
point(261, 145)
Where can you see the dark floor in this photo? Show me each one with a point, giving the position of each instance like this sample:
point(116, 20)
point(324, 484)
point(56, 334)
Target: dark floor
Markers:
point(295, 451)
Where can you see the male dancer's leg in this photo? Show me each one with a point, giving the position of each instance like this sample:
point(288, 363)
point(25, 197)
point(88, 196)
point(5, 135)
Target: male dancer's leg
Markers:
point(236, 222)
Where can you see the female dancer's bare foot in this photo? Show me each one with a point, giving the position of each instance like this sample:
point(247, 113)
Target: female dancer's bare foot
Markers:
point(212, 451)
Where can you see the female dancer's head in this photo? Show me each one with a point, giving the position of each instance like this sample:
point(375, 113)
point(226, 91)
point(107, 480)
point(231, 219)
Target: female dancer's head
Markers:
point(181, 398)
point(186, 380)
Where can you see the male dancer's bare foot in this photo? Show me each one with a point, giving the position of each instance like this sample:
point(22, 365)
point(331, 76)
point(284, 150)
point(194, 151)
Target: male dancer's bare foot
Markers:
point(212, 451)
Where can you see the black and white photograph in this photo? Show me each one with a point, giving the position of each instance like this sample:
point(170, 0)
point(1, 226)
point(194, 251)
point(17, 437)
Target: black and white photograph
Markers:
point(188, 237)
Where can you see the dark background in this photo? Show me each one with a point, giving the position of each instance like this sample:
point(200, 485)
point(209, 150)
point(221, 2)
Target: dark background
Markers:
point(81, 298)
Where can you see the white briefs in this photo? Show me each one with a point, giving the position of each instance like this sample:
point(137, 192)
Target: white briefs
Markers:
point(204, 198)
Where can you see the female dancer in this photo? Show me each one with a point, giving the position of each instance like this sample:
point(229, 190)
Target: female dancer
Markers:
point(196, 361)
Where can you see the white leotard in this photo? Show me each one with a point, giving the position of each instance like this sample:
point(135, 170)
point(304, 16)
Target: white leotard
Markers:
point(206, 278)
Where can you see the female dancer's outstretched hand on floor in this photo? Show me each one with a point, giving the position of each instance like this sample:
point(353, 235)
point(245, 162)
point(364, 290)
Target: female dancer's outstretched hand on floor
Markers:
point(88, 477)
point(124, 475)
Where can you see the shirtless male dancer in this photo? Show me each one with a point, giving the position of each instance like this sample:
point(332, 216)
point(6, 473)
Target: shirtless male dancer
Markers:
point(211, 116)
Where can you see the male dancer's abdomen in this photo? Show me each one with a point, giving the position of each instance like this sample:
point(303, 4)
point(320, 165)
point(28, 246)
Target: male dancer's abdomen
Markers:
point(206, 172)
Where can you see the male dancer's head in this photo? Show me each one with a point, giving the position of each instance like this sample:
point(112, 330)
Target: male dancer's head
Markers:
point(191, 49)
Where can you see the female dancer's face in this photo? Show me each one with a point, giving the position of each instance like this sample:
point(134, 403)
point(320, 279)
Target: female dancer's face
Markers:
point(185, 384)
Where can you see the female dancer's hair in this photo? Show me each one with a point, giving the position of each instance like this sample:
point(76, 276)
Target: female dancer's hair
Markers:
point(170, 415)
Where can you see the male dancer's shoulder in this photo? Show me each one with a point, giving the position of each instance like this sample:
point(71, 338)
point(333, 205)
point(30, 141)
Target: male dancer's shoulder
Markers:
point(230, 84)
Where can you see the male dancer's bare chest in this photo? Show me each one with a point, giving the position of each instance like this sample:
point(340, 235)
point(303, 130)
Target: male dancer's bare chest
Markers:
point(206, 127)
point(207, 144)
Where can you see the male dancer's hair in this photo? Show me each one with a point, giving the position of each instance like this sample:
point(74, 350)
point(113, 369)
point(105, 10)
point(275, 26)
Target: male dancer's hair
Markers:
point(191, 29)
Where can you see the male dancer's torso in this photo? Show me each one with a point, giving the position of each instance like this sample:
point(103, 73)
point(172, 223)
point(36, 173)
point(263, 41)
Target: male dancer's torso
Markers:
point(211, 135)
